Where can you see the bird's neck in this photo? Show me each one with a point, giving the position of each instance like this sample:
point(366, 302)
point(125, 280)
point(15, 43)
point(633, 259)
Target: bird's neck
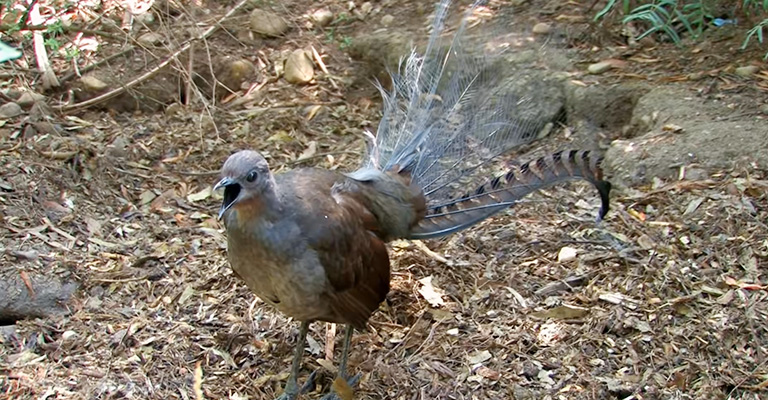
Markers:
point(264, 207)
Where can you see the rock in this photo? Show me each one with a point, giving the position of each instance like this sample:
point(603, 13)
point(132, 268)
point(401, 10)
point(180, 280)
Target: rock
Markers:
point(174, 109)
point(68, 335)
point(92, 83)
point(365, 9)
point(235, 73)
point(599, 67)
point(118, 148)
point(322, 17)
point(299, 68)
point(542, 28)
point(387, 20)
point(38, 296)
point(696, 174)
point(150, 39)
point(10, 110)
point(746, 71)
point(27, 99)
point(267, 23)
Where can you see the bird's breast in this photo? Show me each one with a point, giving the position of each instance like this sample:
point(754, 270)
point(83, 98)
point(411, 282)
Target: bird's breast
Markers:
point(277, 265)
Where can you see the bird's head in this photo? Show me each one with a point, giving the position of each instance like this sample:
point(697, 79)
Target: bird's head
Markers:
point(244, 176)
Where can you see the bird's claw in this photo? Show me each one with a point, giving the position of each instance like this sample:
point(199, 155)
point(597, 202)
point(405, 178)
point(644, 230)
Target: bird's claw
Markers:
point(344, 392)
point(306, 388)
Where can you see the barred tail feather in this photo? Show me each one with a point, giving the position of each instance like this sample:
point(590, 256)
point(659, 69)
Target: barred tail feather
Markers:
point(506, 190)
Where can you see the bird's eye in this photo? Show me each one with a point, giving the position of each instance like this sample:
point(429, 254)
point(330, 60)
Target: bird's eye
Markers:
point(252, 176)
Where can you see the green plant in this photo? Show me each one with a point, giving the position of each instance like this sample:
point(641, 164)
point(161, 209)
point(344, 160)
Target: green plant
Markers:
point(748, 5)
point(757, 33)
point(345, 42)
point(343, 17)
point(330, 35)
point(625, 5)
point(665, 15)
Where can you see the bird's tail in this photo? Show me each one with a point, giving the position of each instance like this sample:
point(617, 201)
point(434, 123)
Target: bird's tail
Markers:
point(451, 112)
point(506, 190)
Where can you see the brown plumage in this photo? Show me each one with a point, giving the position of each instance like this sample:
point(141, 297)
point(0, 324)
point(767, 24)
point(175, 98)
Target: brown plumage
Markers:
point(311, 242)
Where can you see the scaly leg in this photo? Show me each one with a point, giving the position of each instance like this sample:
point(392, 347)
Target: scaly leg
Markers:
point(291, 387)
point(343, 376)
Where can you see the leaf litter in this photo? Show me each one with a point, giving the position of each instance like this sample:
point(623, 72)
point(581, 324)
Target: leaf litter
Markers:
point(666, 296)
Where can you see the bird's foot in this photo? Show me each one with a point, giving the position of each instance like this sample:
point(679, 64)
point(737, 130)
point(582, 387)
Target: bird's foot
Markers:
point(342, 388)
point(293, 393)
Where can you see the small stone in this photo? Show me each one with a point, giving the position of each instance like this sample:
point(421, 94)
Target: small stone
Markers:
point(299, 68)
point(118, 148)
point(603, 66)
point(267, 23)
point(150, 39)
point(567, 254)
point(27, 99)
point(696, 174)
point(10, 110)
point(322, 17)
point(366, 8)
point(174, 109)
point(696, 76)
point(92, 83)
point(235, 73)
point(68, 335)
point(542, 28)
point(746, 71)
point(387, 20)
point(529, 369)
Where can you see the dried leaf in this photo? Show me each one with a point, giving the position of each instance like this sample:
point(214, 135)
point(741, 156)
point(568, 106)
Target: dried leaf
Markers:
point(693, 205)
point(433, 295)
point(563, 312)
point(479, 356)
point(486, 372)
point(201, 195)
point(310, 151)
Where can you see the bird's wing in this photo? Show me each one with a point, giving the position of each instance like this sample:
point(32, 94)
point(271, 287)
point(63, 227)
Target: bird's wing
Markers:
point(341, 231)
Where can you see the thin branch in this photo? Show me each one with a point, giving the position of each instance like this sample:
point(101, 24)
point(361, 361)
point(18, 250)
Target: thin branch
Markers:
point(154, 71)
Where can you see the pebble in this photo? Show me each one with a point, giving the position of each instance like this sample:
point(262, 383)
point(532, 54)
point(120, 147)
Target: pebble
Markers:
point(603, 66)
point(27, 99)
point(299, 68)
point(322, 17)
point(542, 28)
point(747, 71)
point(92, 83)
point(387, 20)
point(267, 23)
point(10, 110)
point(150, 39)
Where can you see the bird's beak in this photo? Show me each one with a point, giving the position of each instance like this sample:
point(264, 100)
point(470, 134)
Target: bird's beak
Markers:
point(231, 192)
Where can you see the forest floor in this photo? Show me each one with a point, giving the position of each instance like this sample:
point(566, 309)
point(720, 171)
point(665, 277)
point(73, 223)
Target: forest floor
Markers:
point(666, 298)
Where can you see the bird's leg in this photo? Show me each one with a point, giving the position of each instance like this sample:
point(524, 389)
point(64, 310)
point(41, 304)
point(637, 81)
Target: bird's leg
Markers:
point(291, 387)
point(343, 384)
point(345, 351)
